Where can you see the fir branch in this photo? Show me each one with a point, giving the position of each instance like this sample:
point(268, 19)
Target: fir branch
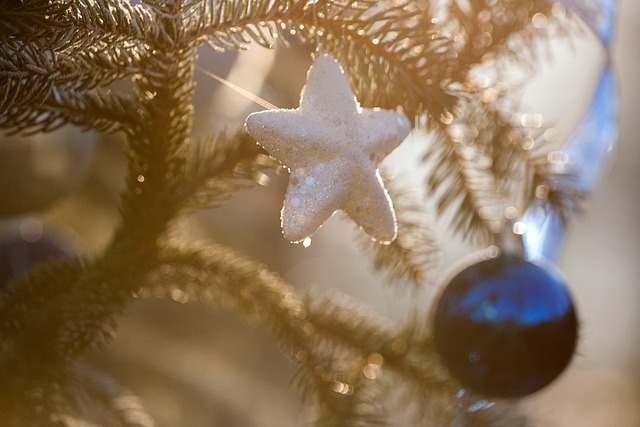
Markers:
point(30, 71)
point(485, 151)
point(395, 55)
point(338, 390)
point(23, 74)
point(96, 393)
point(347, 323)
point(159, 145)
point(83, 314)
point(31, 20)
point(30, 315)
point(489, 32)
point(376, 45)
point(430, 402)
point(415, 251)
point(315, 381)
point(231, 24)
point(73, 52)
point(80, 396)
point(85, 66)
point(22, 92)
point(351, 399)
point(64, 308)
point(221, 164)
point(99, 110)
point(553, 189)
point(491, 29)
point(315, 326)
point(54, 19)
point(115, 17)
point(504, 142)
point(471, 192)
point(217, 275)
point(407, 350)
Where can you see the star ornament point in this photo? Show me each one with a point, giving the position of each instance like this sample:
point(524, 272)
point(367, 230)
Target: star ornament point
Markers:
point(332, 148)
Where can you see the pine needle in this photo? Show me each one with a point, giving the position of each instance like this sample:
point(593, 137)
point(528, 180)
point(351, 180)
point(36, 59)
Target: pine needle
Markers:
point(414, 253)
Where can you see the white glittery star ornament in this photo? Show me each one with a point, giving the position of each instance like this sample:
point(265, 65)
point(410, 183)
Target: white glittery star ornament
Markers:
point(332, 148)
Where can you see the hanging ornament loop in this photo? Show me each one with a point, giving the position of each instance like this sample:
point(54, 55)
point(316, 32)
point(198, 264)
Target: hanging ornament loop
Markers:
point(509, 239)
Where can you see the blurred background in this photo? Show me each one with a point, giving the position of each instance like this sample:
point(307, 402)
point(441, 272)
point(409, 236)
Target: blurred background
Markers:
point(193, 363)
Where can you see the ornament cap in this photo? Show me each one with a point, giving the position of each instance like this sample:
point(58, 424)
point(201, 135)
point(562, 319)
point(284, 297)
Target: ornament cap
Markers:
point(509, 239)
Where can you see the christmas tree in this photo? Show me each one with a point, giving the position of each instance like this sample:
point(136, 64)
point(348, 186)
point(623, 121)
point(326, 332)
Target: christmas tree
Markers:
point(197, 217)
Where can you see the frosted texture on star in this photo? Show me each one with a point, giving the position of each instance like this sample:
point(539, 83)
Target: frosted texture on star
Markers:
point(332, 148)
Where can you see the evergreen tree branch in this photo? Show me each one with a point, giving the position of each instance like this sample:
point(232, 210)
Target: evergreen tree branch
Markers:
point(73, 46)
point(31, 20)
point(64, 308)
point(407, 351)
point(30, 314)
point(337, 390)
point(375, 45)
point(22, 92)
point(488, 30)
point(84, 312)
point(401, 44)
point(216, 275)
point(397, 46)
point(59, 20)
point(47, 318)
point(230, 24)
point(83, 315)
point(221, 164)
point(80, 395)
point(99, 110)
point(57, 59)
point(415, 251)
point(471, 192)
point(315, 380)
point(314, 326)
point(492, 29)
point(486, 151)
point(351, 399)
point(552, 189)
point(114, 17)
point(29, 71)
point(90, 388)
point(159, 146)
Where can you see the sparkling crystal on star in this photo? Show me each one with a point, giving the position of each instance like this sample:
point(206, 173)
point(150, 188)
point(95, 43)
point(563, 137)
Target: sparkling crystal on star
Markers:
point(332, 148)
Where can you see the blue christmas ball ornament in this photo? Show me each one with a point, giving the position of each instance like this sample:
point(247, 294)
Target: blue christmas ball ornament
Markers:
point(505, 327)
